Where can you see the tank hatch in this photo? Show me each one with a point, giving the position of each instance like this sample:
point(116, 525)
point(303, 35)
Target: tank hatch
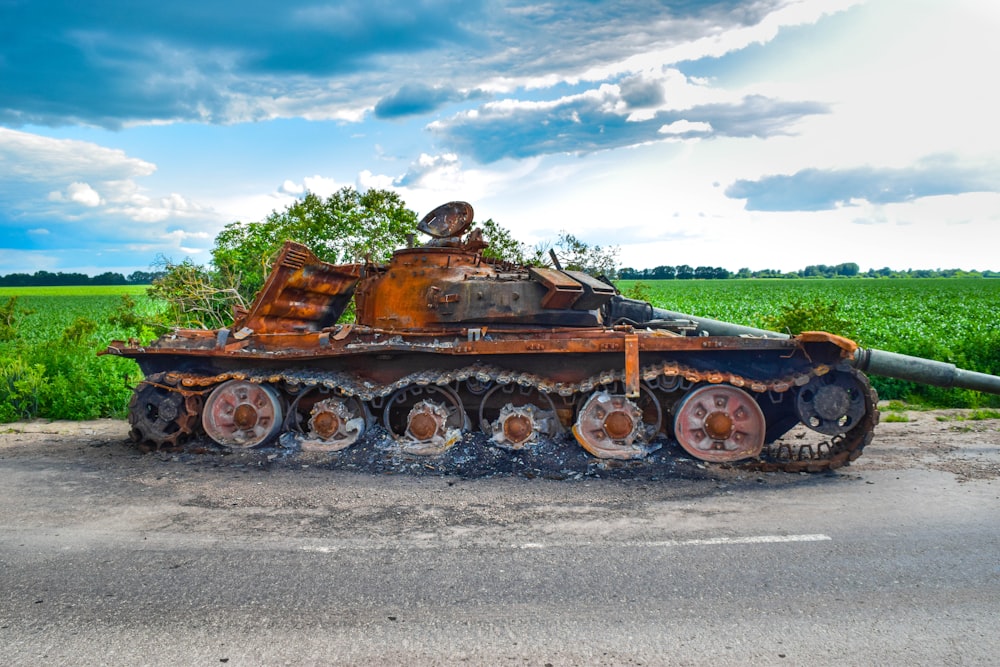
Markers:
point(447, 221)
point(302, 293)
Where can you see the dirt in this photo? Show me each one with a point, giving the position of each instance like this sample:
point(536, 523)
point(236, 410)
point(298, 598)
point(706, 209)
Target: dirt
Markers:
point(945, 440)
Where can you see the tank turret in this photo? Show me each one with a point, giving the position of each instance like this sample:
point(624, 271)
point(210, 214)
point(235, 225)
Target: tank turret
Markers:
point(446, 340)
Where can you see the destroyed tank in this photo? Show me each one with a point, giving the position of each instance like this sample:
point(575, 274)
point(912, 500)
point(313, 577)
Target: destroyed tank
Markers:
point(446, 341)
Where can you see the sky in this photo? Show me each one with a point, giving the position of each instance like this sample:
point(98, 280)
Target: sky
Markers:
point(768, 134)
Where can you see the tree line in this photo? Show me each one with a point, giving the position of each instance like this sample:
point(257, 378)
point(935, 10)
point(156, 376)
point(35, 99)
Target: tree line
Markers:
point(845, 270)
point(679, 272)
point(60, 279)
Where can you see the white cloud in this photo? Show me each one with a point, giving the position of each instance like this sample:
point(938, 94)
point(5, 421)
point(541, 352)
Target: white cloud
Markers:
point(685, 127)
point(26, 157)
point(80, 193)
point(321, 185)
point(290, 187)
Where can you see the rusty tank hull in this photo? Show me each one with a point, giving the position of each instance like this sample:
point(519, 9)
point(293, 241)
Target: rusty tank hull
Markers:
point(446, 341)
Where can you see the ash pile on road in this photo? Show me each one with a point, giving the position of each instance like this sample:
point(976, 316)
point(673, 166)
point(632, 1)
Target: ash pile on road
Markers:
point(473, 456)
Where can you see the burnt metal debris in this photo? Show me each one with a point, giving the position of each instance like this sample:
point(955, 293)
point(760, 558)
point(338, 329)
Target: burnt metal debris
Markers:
point(447, 341)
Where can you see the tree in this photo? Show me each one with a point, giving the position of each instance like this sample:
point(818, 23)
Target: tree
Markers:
point(348, 226)
point(849, 269)
point(108, 278)
point(196, 296)
point(502, 244)
point(577, 255)
point(143, 277)
point(664, 273)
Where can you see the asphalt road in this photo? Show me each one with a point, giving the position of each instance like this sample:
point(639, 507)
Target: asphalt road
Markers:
point(108, 556)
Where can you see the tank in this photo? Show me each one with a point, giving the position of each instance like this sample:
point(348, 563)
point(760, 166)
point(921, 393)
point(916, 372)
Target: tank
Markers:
point(446, 341)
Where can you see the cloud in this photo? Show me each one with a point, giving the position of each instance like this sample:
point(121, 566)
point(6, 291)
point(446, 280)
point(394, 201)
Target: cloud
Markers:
point(318, 185)
point(43, 178)
point(80, 193)
point(111, 64)
point(27, 157)
point(686, 128)
point(598, 120)
point(75, 198)
point(414, 99)
point(817, 189)
point(429, 168)
point(639, 92)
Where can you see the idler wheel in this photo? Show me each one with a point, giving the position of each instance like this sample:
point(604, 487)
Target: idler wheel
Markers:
point(719, 423)
point(334, 424)
point(833, 403)
point(610, 426)
point(241, 414)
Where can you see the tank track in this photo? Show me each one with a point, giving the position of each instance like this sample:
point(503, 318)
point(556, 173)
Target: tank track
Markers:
point(829, 454)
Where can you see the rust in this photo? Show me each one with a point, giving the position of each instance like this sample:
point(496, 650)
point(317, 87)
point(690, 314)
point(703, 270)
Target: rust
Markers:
point(632, 365)
point(447, 340)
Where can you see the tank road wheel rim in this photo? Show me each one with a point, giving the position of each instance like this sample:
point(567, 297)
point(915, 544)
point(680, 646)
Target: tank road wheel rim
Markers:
point(832, 404)
point(335, 424)
point(611, 426)
point(241, 414)
point(519, 426)
point(424, 420)
point(526, 414)
point(161, 415)
point(720, 423)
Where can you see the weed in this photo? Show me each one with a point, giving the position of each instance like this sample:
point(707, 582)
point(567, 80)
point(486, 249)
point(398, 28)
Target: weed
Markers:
point(978, 414)
point(801, 316)
point(638, 290)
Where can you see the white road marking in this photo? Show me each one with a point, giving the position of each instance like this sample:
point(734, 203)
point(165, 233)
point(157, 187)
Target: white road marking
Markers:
point(707, 541)
point(751, 539)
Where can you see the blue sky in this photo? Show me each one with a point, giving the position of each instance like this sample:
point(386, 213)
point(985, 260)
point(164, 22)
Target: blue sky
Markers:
point(763, 134)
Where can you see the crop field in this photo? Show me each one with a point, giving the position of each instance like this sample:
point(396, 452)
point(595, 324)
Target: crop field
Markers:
point(50, 336)
point(947, 319)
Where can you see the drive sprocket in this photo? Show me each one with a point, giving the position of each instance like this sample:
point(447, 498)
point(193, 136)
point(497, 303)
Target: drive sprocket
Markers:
point(161, 414)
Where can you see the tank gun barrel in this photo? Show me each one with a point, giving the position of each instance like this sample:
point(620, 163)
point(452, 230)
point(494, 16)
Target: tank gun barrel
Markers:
point(924, 371)
point(709, 327)
point(635, 311)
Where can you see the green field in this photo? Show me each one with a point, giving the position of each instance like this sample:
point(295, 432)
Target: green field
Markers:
point(49, 336)
point(948, 319)
point(72, 290)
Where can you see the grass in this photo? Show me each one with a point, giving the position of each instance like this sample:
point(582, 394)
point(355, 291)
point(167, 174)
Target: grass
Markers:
point(972, 416)
point(50, 336)
point(49, 339)
point(73, 290)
